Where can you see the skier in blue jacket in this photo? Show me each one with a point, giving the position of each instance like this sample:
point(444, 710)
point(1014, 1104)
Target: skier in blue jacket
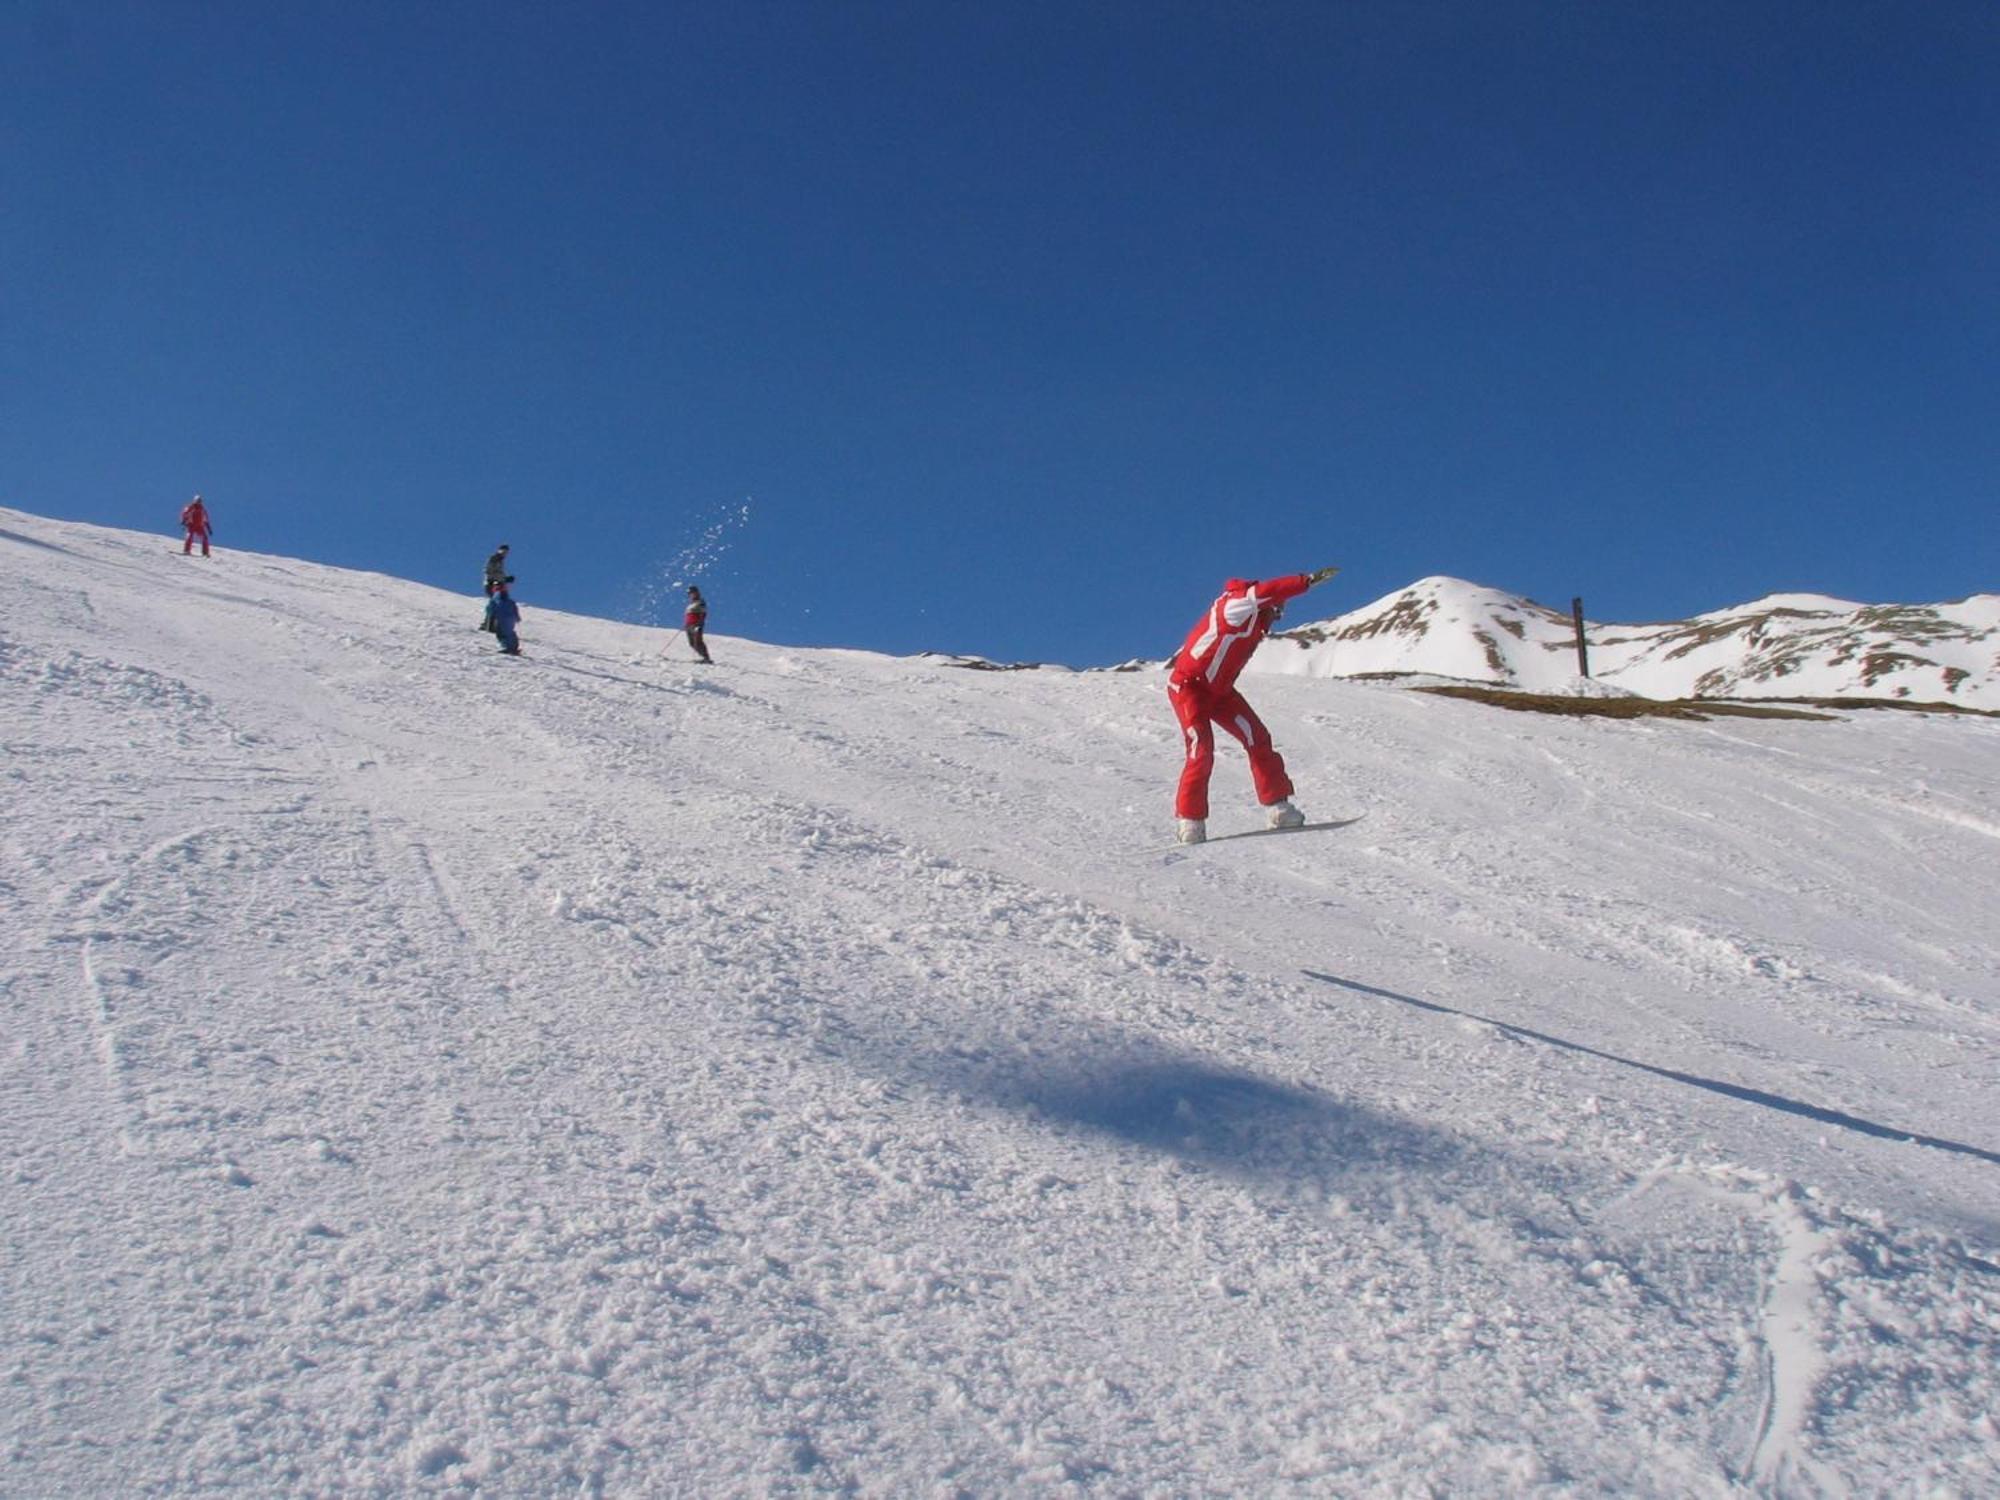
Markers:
point(504, 614)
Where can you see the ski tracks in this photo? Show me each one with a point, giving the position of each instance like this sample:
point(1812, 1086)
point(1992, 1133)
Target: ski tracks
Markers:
point(1825, 1357)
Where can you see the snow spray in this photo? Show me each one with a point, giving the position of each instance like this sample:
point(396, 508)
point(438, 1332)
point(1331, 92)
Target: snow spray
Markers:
point(693, 563)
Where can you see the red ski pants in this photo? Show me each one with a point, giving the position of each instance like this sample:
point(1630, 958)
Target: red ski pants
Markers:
point(1200, 709)
point(196, 534)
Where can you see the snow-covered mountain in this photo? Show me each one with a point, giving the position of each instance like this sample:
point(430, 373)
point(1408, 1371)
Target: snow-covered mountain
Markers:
point(1782, 646)
point(424, 1071)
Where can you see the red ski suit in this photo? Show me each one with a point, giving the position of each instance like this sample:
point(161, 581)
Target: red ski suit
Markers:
point(1202, 688)
point(194, 517)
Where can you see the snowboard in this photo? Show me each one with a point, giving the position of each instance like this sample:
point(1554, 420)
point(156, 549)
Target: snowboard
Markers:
point(1275, 833)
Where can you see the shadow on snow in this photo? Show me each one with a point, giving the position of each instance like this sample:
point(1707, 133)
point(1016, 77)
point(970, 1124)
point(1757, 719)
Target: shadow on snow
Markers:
point(29, 541)
point(1224, 1118)
point(1815, 1112)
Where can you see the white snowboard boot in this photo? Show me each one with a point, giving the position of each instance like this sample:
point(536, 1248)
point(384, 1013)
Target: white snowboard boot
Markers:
point(1284, 815)
point(1191, 831)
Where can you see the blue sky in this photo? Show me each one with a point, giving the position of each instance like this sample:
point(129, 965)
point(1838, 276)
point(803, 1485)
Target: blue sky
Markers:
point(1017, 327)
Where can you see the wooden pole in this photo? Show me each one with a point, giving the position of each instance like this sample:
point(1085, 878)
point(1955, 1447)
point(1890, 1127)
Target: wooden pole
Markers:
point(1582, 649)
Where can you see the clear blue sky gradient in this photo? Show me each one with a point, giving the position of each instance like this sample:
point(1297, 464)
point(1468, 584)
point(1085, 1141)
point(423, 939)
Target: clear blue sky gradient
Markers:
point(1018, 326)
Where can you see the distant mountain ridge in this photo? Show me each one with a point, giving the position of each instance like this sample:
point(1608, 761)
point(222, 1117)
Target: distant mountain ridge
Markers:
point(1780, 646)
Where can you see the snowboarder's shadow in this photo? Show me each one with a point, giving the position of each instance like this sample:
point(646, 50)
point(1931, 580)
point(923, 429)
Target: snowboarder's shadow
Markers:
point(29, 541)
point(1817, 1113)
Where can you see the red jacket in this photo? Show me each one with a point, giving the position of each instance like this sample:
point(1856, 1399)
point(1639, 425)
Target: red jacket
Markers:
point(1224, 638)
point(194, 516)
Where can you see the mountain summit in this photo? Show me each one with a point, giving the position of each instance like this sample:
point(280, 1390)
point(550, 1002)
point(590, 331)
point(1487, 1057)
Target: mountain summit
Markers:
point(1780, 646)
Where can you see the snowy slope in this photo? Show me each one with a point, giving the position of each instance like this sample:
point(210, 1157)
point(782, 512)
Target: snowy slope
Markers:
point(1781, 646)
point(427, 1071)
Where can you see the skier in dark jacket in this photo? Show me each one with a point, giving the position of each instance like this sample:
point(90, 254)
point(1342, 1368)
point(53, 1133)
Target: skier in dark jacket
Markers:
point(696, 621)
point(496, 570)
point(505, 615)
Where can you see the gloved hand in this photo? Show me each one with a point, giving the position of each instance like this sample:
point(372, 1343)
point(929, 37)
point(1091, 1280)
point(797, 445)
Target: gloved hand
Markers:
point(1319, 576)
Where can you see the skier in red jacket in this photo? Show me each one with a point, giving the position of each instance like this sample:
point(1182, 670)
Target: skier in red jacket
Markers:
point(194, 518)
point(695, 622)
point(1202, 688)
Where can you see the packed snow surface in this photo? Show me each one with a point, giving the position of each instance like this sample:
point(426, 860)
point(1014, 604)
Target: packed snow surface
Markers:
point(426, 1071)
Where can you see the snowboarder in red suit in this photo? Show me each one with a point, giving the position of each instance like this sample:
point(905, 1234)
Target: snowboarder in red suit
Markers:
point(194, 519)
point(696, 621)
point(1201, 685)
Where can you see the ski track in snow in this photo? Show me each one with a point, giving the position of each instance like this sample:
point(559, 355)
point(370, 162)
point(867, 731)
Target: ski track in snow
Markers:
point(594, 1073)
